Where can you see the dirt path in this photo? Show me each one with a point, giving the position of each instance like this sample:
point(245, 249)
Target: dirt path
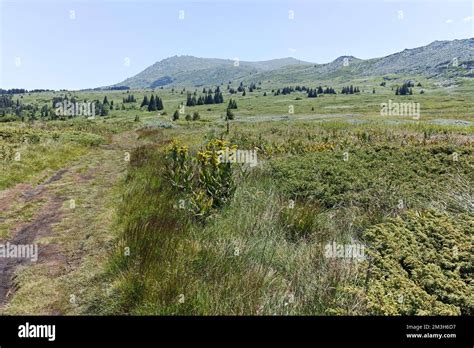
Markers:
point(69, 218)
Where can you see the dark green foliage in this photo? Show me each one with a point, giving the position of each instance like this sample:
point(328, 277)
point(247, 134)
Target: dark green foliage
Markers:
point(208, 98)
point(144, 102)
point(312, 93)
point(229, 114)
point(232, 104)
point(350, 90)
point(129, 99)
point(176, 115)
point(405, 89)
point(152, 104)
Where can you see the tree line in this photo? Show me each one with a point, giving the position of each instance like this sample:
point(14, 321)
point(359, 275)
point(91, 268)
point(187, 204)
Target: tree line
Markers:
point(209, 97)
point(152, 104)
point(350, 90)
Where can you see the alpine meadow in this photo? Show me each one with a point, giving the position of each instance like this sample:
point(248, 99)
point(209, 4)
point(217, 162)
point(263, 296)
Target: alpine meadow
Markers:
point(183, 164)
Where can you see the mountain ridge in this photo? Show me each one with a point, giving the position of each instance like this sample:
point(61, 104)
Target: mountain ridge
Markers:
point(433, 59)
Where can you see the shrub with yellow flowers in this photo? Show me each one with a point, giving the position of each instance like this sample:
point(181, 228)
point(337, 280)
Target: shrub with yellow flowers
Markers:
point(207, 181)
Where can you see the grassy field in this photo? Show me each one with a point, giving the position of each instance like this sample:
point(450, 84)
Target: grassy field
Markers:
point(346, 211)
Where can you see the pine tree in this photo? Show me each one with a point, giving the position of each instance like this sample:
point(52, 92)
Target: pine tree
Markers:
point(152, 104)
point(209, 98)
point(176, 115)
point(232, 104)
point(159, 103)
point(312, 93)
point(145, 101)
point(104, 110)
point(229, 114)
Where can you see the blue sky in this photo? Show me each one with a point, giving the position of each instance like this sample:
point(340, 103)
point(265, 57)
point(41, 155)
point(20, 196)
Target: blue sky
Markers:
point(45, 45)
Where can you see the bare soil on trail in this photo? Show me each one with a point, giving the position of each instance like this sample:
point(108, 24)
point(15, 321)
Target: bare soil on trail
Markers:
point(50, 205)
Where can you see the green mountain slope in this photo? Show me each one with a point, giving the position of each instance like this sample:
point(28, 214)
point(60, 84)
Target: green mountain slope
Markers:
point(440, 58)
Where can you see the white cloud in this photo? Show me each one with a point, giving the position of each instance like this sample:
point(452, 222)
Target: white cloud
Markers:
point(467, 19)
point(449, 21)
point(291, 49)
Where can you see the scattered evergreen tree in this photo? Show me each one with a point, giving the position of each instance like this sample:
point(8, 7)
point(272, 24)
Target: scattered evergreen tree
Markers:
point(404, 89)
point(176, 115)
point(104, 110)
point(152, 104)
point(350, 90)
point(159, 103)
point(218, 98)
point(145, 101)
point(312, 93)
point(229, 114)
point(232, 104)
point(130, 99)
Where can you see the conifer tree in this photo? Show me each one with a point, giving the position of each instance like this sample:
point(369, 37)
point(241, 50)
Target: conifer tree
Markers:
point(229, 115)
point(145, 101)
point(152, 104)
point(176, 115)
point(159, 103)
